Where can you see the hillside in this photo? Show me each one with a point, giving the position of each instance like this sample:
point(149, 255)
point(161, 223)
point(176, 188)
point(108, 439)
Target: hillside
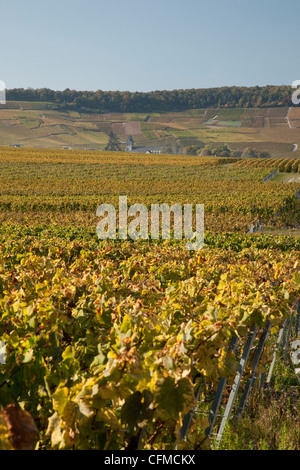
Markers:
point(37, 124)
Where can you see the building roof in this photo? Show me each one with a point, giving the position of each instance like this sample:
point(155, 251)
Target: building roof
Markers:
point(146, 149)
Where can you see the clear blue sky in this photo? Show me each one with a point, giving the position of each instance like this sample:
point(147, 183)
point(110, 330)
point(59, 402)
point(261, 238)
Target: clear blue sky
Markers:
point(140, 45)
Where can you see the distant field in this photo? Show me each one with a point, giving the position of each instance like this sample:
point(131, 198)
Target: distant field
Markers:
point(294, 117)
point(35, 124)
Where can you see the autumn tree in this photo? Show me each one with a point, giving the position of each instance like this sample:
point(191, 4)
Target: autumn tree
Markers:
point(113, 144)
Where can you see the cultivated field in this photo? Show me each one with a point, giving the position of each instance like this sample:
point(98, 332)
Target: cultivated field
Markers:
point(33, 124)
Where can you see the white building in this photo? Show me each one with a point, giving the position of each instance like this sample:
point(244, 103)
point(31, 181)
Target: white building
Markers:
point(130, 147)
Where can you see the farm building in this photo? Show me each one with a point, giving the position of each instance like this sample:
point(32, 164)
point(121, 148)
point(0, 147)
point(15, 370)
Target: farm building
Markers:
point(129, 144)
point(130, 147)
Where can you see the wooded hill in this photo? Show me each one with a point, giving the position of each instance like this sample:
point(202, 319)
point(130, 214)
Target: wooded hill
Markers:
point(157, 101)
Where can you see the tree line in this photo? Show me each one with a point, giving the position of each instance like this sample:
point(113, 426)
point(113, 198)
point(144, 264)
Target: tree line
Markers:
point(157, 101)
point(224, 151)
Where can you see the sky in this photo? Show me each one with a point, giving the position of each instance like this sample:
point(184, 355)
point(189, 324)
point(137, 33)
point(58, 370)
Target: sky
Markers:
point(139, 45)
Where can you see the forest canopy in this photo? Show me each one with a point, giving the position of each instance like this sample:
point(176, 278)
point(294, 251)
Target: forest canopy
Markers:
point(157, 101)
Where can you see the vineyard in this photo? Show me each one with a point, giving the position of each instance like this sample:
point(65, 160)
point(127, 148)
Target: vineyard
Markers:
point(283, 165)
point(112, 344)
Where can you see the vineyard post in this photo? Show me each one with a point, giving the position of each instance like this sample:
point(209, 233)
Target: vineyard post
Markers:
point(188, 417)
point(253, 388)
point(295, 356)
point(297, 318)
point(252, 379)
point(279, 339)
point(286, 345)
point(262, 378)
point(285, 326)
point(219, 393)
point(236, 383)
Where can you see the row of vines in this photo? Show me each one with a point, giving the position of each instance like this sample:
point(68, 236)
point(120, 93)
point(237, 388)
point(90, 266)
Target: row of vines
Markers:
point(283, 165)
point(103, 343)
point(104, 340)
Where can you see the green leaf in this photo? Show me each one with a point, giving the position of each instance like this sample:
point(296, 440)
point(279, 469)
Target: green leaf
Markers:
point(60, 399)
point(174, 398)
point(297, 278)
point(136, 409)
point(28, 356)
